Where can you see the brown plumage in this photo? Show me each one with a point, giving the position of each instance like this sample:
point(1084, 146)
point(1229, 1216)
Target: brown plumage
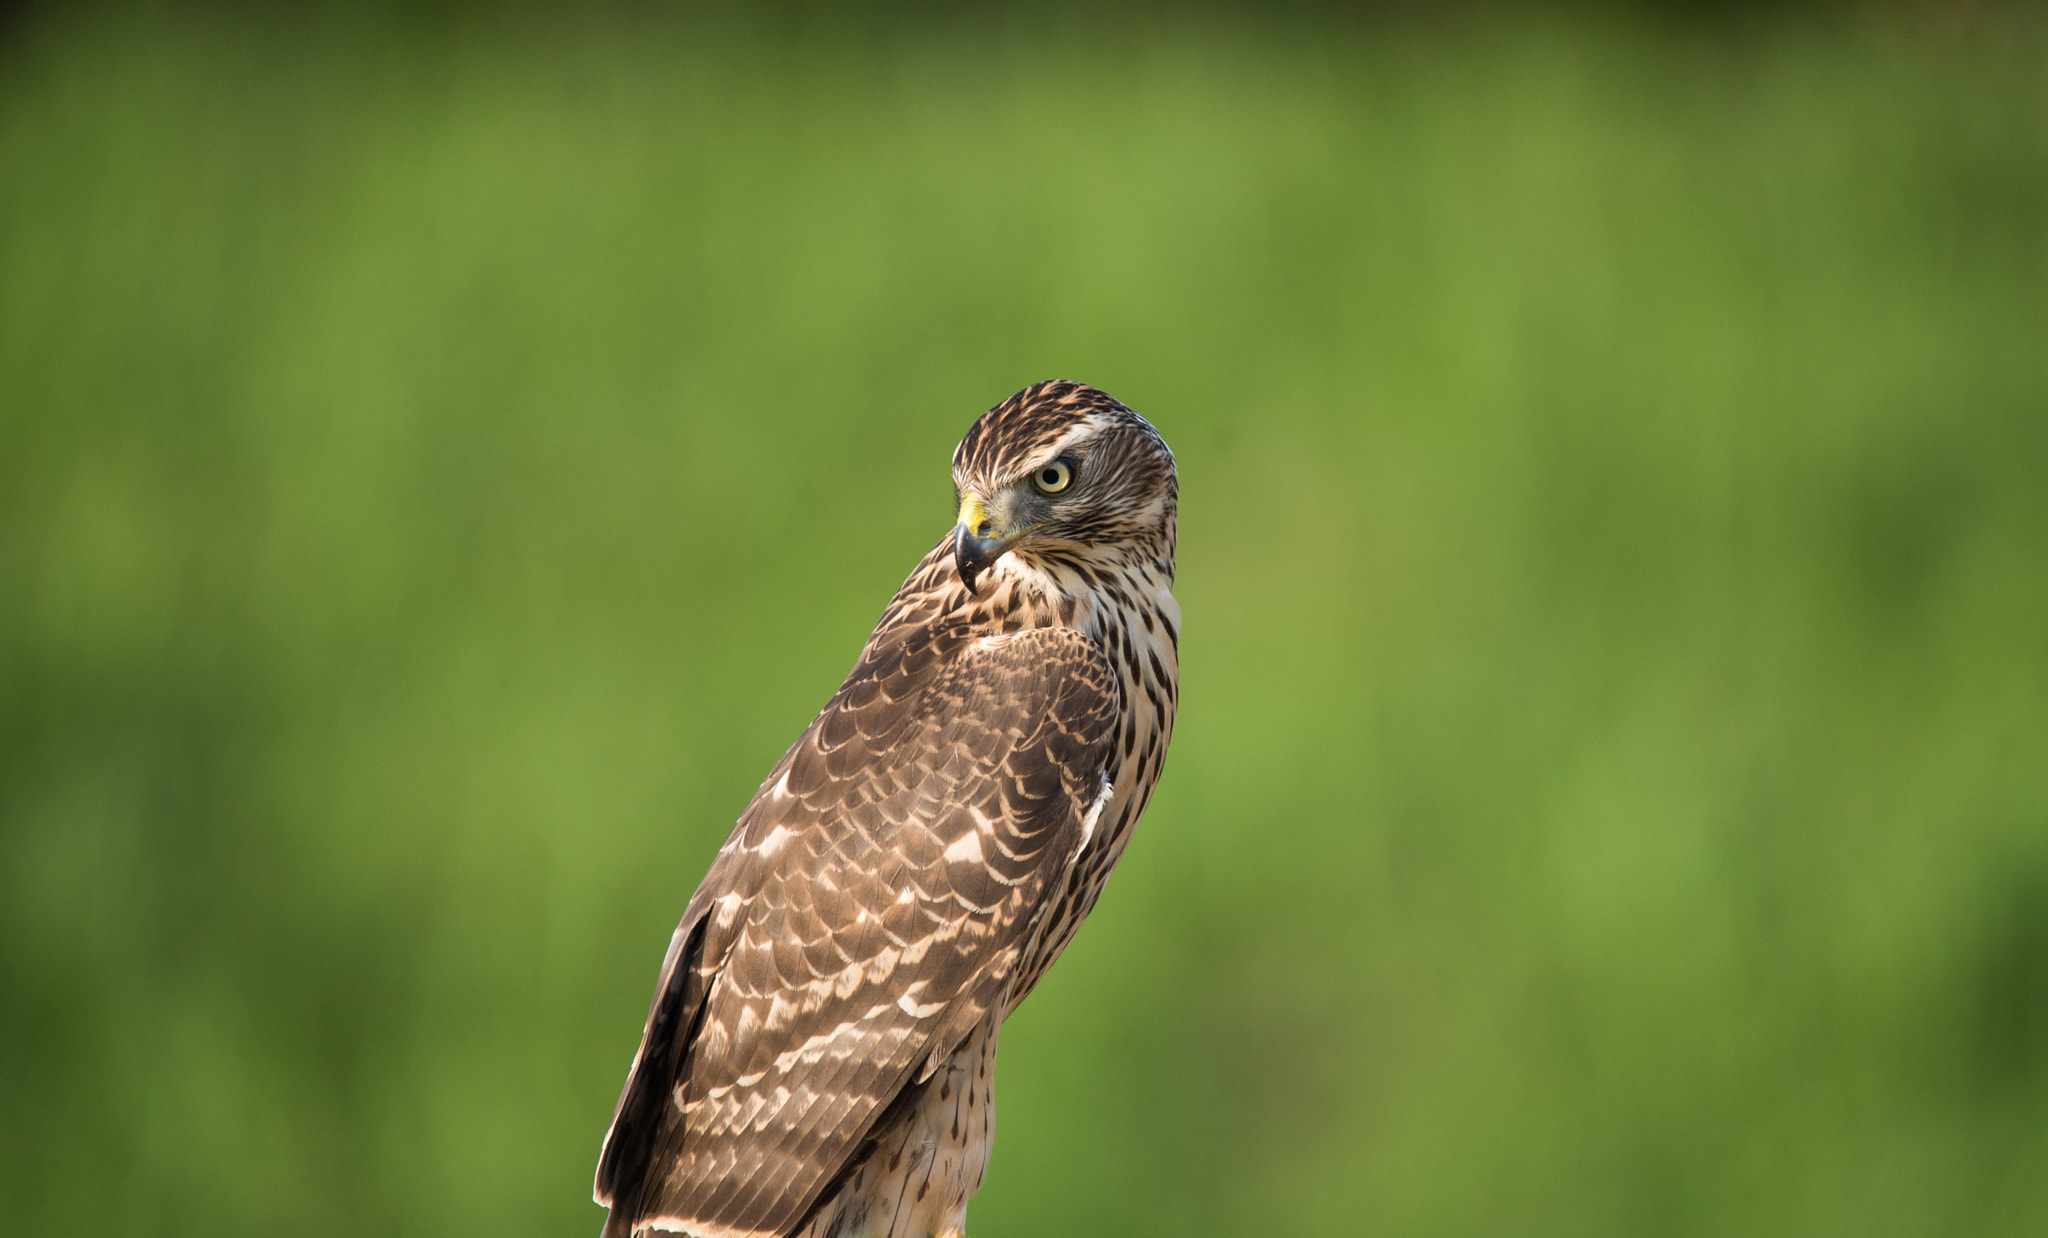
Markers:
point(817, 1060)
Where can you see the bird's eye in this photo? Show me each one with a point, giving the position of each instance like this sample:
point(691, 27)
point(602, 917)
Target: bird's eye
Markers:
point(1055, 477)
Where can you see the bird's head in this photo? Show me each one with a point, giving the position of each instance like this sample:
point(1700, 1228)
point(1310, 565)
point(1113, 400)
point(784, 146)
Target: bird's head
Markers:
point(1060, 471)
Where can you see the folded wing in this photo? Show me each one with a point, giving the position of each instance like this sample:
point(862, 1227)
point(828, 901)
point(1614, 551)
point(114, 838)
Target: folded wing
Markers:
point(869, 910)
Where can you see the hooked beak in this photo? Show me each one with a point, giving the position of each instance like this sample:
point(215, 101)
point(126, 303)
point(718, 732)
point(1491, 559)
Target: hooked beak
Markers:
point(976, 543)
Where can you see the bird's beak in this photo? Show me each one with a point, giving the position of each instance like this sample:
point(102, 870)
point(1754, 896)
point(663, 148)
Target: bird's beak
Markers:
point(977, 542)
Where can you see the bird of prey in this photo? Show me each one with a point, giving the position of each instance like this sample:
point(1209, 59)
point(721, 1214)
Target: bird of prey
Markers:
point(818, 1055)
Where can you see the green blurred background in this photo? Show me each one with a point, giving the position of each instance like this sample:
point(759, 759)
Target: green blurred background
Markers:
point(445, 458)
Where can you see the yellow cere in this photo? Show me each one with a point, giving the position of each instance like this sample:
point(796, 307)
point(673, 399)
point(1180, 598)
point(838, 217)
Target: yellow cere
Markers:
point(972, 513)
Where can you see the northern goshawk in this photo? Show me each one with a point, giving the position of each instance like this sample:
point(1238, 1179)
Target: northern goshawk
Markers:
point(818, 1056)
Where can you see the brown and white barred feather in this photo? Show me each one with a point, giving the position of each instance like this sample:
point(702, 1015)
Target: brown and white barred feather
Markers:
point(819, 1053)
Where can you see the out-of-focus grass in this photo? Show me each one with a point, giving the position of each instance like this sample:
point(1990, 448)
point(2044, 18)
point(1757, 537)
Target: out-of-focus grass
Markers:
point(439, 474)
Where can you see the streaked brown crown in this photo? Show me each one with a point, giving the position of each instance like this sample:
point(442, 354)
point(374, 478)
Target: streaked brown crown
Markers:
point(1125, 487)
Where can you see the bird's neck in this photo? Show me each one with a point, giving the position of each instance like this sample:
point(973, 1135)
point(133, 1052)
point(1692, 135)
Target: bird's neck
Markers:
point(1104, 591)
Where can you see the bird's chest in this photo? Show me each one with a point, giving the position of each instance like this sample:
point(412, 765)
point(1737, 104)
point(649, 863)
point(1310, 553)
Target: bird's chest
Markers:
point(1148, 667)
point(1140, 639)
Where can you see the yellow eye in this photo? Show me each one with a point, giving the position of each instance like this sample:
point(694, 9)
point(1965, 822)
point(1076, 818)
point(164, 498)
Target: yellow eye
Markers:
point(1055, 477)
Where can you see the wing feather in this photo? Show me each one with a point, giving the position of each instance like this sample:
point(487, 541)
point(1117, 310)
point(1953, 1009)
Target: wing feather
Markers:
point(869, 909)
